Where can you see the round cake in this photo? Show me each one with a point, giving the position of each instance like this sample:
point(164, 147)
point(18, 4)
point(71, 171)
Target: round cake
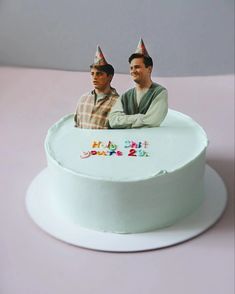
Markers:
point(129, 180)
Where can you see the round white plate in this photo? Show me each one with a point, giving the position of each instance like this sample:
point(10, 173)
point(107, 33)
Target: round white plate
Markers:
point(43, 214)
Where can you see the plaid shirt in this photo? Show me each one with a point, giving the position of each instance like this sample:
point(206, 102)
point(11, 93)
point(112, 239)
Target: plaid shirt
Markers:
point(92, 114)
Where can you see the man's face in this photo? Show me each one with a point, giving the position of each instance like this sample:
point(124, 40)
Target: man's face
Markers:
point(100, 79)
point(139, 72)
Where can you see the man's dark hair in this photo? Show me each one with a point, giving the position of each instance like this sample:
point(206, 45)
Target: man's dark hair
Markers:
point(146, 59)
point(107, 68)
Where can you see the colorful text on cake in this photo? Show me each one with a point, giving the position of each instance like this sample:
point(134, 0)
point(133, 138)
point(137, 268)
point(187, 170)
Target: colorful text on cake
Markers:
point(131, 148)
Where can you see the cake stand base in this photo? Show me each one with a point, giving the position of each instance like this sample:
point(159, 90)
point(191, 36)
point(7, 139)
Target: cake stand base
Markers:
point(204, 217)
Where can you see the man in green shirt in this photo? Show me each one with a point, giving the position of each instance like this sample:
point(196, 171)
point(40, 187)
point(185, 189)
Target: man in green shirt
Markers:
point(146, 104)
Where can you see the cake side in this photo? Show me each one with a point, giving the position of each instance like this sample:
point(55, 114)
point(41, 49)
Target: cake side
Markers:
point(128, 207)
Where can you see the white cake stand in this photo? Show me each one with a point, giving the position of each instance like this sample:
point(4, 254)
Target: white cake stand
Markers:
point(43, 214)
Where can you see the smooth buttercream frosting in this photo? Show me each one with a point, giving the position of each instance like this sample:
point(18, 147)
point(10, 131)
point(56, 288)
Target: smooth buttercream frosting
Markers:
point(121, 193)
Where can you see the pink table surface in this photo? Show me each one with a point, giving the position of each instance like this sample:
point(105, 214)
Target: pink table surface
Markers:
point(31, 261)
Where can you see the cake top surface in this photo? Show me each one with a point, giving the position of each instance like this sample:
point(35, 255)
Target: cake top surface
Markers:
point(126, 154)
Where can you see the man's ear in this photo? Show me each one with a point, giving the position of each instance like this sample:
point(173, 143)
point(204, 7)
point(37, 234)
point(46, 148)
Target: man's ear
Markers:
point(150, 68)
point(110, 78)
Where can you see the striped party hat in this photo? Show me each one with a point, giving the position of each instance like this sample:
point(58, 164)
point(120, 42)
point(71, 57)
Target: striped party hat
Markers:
point(141, 48)
point(99, 57)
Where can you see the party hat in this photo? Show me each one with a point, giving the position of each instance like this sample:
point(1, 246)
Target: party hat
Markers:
point(141, 48)
point(99, 57)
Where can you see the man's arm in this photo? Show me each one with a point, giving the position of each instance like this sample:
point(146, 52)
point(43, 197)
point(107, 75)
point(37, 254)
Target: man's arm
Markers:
point(76, 116)
point(153, 117)
point(118, 119)
point(76, 120)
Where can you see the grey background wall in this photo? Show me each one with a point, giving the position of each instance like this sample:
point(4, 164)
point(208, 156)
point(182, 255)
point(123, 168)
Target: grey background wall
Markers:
point(184, 37)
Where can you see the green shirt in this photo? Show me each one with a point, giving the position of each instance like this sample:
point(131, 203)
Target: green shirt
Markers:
point(149, 112)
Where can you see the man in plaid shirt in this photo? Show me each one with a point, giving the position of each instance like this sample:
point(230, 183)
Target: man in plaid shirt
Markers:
point(93, 107)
